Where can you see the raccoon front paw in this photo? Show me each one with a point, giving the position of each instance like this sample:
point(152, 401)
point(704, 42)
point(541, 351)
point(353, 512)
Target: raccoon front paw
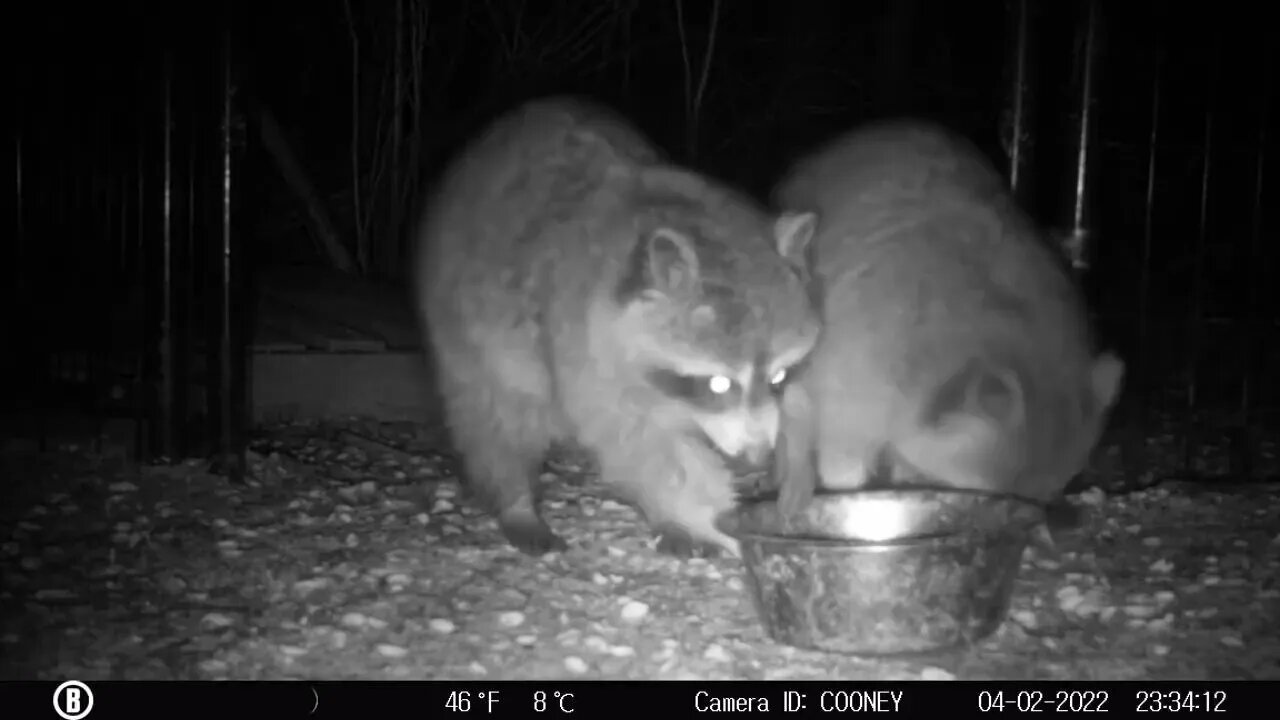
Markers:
point(678, 543)
point(532, 536)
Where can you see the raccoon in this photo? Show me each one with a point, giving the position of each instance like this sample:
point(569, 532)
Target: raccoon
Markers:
point(576, 286)
point(957, 349)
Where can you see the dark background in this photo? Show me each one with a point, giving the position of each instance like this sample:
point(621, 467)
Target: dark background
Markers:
point(343, 112)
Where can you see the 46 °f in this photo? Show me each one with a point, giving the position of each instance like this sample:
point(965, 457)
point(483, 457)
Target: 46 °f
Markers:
point(460, 701)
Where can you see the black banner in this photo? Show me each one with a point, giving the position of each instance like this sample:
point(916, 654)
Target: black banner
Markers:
point(74, 700)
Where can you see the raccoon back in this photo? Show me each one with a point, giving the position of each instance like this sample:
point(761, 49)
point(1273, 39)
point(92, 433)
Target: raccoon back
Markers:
point(945, 309)
point(490, 224)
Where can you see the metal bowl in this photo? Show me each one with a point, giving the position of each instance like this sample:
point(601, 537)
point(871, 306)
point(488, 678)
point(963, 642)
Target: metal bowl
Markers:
point(884, 572)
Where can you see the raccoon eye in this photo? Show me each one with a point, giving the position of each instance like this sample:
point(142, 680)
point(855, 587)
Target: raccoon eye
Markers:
point(778, 377)
point(719, 384)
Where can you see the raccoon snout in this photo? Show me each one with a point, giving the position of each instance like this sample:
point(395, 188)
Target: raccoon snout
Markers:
point(752, 460)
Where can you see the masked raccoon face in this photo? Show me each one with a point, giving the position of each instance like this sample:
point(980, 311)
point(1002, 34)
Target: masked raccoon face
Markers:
point(717, 339)
point(733, 409)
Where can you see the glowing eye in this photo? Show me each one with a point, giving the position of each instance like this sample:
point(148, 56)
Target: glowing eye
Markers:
point(778, 377)
point(719, 384)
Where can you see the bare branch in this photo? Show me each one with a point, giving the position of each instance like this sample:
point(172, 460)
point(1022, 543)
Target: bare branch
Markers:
point(693, 96)
point(706, 59)
point(684, 57)
point(361, 246)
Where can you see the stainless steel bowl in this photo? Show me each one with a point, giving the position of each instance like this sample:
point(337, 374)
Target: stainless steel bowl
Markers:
point(884, 572)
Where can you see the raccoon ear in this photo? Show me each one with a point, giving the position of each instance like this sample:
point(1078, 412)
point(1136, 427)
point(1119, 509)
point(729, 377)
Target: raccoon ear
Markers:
point(672, 259)
point(793, 231)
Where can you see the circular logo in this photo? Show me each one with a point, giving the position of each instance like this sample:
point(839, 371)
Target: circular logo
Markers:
point(72, 700)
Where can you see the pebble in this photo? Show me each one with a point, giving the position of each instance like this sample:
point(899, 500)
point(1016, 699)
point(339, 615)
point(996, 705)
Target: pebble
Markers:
point(1025, 618)
point(1093, 496)
point(214, 668)
point(306, 587)
point(717, 653)
point(391, 651)
point(511, 618)
point(933, 673)
point(575, 665)
point(1069, 598)
point(1140, 611)
point(216, 621)
point(444, 626)
point(634, 611)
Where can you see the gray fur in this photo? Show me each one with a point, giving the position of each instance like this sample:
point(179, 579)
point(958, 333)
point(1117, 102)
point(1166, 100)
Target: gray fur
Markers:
point(561, 259)
point(957, 349)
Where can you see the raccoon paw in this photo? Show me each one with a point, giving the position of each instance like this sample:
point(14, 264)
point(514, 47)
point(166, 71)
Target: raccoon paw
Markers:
point(678, 543)
point(532, 536)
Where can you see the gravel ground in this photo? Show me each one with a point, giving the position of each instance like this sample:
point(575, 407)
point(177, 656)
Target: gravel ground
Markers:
point(352, 554)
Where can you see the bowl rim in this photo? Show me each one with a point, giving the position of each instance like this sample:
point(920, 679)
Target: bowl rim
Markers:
point(722, 522)
point(852, 543)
